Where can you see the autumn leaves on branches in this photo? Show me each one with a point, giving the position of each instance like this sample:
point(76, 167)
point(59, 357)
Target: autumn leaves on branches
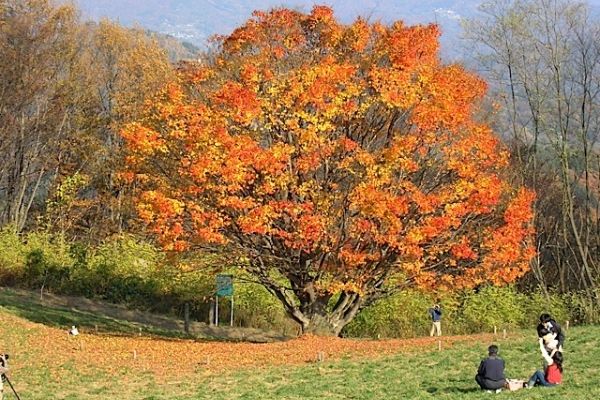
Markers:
point(336, 159)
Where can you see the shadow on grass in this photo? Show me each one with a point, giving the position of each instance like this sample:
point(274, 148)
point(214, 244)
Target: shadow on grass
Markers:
point(94, 321)
point(457, 389)
point(464, 390)
point(63, 318)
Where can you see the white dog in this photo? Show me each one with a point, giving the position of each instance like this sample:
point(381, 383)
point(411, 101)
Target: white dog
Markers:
point(550, 341)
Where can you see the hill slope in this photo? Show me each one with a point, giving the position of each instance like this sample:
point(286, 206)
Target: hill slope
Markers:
point(104, 318)
point(48, 364)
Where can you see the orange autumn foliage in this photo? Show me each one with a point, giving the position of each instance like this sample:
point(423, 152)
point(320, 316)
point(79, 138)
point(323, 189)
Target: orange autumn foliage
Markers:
point(337, 156)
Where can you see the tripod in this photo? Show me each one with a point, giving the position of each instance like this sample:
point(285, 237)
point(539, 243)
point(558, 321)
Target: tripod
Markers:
point(11, 386)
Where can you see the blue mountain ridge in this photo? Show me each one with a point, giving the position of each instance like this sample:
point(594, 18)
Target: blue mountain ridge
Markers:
point(195, 21)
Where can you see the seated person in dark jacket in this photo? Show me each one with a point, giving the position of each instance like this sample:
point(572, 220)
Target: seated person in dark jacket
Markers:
point(547, 324)
point(490, 375)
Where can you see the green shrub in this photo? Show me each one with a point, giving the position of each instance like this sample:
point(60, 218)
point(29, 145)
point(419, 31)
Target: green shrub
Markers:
point(131, 271)
point(12, 257)
point(122, 270)
point(491, 306)
point(404, 314)
point(581, 308)
point(536, 303)
point(255, 307)
point(43, 273)
point(33, 260)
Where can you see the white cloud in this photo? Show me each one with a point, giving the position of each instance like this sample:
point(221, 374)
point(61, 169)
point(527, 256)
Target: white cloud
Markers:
point(451, 14)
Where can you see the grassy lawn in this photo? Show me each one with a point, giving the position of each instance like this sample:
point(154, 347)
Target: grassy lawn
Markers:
point(30, 308)
point(442, 375)
point(420, 373)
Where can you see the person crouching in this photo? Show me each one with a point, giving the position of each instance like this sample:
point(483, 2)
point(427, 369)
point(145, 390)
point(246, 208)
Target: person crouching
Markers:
point(490, 375)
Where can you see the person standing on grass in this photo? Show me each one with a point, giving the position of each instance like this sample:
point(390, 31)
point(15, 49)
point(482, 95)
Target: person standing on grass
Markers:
point(490, 375)
point(435, 313)
point(552, 374)
point(549, 325)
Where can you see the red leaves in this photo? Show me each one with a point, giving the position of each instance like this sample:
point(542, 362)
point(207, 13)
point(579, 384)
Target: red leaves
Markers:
point(408, 46)
point(239, 102)
point(451, 93)
point(143, 140)
point(512, 241)
point(296, 137)
point(463, 250)
point(322, 14)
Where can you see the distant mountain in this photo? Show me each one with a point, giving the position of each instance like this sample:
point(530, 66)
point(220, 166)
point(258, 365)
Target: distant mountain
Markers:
point(176, 49)
point(195, 21)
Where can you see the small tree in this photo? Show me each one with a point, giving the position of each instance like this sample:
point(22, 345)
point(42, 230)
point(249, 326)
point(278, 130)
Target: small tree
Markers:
point(342, 161)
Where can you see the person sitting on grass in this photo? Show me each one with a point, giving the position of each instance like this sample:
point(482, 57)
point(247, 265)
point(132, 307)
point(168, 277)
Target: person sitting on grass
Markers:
point(552, 374)
point(490, 375)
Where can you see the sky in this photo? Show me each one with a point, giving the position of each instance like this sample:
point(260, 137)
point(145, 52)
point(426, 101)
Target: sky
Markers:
point(196, 20)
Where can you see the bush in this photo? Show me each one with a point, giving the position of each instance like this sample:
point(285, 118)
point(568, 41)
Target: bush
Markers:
point(12, 257)
point(130, 271)
point(581, 309)
point(255, 307)
point(401, 315)
point(122, 270)
point(33, 260)
point(554, 304)
point(405, 314)
point(491, 306)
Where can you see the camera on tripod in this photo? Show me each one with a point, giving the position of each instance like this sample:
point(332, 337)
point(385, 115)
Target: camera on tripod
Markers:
point(3, 358)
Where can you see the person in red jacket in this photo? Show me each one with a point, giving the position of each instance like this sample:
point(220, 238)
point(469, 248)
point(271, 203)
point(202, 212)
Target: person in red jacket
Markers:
point(552, 374)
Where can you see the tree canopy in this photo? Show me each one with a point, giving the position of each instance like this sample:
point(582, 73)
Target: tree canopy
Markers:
point(339, 161)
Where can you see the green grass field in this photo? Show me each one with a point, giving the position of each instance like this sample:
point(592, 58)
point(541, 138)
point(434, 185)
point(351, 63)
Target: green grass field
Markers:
point(421, 373)
point(441, 375)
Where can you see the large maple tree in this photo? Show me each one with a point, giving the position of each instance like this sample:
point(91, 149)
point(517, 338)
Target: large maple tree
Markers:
point(342, 162)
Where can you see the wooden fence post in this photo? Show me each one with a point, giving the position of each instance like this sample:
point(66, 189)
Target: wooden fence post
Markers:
point(211, 312)
point(186, 317)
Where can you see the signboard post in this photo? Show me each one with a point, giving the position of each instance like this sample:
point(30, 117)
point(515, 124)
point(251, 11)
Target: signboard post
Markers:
point(224, 289)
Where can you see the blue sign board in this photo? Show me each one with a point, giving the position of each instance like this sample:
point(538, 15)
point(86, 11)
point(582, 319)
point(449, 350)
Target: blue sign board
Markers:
point(224, 285)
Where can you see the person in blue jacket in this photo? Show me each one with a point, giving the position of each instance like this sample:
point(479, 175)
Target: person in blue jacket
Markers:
point(490, 374)
point(435, 313)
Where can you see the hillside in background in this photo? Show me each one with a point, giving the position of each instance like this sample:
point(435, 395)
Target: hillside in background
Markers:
point(195, 21)
point(176, 49)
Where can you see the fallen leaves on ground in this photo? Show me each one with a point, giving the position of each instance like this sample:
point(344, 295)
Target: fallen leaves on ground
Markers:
point(168, 359)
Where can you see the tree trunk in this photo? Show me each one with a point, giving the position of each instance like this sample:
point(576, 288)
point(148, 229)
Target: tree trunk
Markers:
point(320, 322)
point(320, 325)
